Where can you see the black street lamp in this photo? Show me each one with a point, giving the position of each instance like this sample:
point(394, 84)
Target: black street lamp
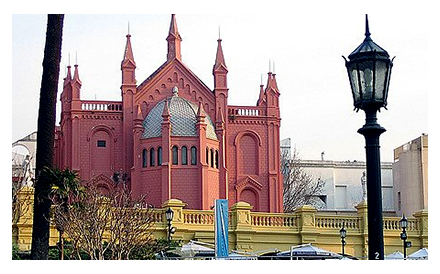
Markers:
point(369, 71)
point(404, 224)
point(169, 215)
point(343, 233)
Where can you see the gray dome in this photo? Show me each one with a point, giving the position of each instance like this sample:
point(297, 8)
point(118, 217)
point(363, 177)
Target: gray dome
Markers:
point(183, 118)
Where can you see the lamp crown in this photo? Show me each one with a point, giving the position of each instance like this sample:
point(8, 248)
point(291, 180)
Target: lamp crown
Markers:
point(368, 47)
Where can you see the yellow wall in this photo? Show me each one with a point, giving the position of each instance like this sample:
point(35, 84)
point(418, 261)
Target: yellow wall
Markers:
point(257, 231)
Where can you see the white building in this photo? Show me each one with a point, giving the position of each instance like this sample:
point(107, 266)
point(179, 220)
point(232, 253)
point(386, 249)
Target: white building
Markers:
point(343, 188)
point(23, 157)
point(410, 170)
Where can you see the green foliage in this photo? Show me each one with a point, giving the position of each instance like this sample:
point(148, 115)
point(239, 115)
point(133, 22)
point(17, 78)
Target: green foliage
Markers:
point(20, 255)
point(69, 253)
point(64, 183)
point(54, 253)
point(140, 253)
point(15, 252)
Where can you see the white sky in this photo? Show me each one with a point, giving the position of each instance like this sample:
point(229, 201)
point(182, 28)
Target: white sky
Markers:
point(305, 45)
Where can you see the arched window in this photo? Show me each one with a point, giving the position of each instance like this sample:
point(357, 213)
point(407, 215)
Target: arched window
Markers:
point(193, 156)
point(216, 158)
point(144, 158)
point(184, 155)
point(159, 156)
point(212, 157)
point(207, 156)
point(152, 157)
point(175, 155)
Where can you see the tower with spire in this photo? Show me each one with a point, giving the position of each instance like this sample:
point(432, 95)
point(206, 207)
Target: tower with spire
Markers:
point(173, 137)
point(128, 91)
point(174, 41)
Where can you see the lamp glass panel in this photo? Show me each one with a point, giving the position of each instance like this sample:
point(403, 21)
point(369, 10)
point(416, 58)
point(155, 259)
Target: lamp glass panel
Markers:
point(381, 75)
point(366, 77)
point(354, 83)
point(343, 233)
point(404, 223)
point(169, 214)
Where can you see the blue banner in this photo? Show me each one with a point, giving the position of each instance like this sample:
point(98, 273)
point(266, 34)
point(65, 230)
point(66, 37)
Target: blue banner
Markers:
point(221, 228)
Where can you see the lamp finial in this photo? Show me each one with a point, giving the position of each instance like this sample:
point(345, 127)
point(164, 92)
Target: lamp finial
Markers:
point(367, 28)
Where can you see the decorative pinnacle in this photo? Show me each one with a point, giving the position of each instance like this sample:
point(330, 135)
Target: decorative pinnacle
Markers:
point(367, 29)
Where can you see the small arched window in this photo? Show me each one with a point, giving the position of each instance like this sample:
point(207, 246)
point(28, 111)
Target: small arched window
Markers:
point(184, 155)
point(159, 156)
point(207, 156)
point(144, 158)
point(193, 156)
point(212, 157)
point(152, 155)
point(175, 155)
point(216, 158)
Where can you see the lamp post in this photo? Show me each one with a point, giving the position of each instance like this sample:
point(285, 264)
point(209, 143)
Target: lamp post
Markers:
point(343, 233)
point(169, 214)
point(404, 224)
point(369, 71)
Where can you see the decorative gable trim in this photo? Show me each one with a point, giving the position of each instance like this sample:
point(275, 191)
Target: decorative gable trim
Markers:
point(102, 181)
point(159, 85)
point(164, 69)
point(248, 182)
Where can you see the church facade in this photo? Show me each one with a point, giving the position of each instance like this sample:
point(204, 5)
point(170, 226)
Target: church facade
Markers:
point(172, 137)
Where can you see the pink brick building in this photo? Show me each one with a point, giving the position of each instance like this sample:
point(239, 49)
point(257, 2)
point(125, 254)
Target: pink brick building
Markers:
point(173, 137)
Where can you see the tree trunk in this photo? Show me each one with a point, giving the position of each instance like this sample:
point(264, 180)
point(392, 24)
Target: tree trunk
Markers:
point(46, 132)
point(61, 241)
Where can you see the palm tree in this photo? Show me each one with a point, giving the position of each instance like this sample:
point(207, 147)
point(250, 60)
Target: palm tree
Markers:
point(46, 132)
point(65, 188)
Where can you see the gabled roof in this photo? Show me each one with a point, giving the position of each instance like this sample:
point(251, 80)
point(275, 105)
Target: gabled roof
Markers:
point(165, 65)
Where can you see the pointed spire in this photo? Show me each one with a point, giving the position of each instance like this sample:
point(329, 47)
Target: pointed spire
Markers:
point(173, 27)
point(262, 97)
point(271, 82)
point(166, 112)
point(139, 117)
point(128, 53)
point(200, 111)
point(174, 40)
point(76, 72)
point(76, 83)
point(269, 79)
point(367, 28)
point(219, 118)
point(220, 58)
point(274, 81)
point(68, 75)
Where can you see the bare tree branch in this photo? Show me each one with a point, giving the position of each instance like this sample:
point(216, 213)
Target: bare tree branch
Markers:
point(114, 222)
point(299, 188)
